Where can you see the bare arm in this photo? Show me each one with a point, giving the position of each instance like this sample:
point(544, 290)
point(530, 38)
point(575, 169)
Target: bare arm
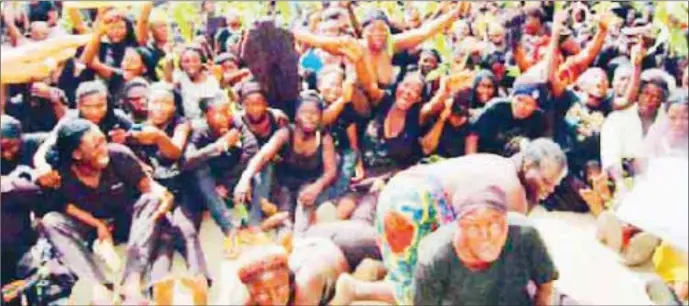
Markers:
point(266, 154)
point(90, 55)
point(77, 22)
point(142, 23)
point(635, 81)
point(197, 156)
point(544, 294)
point(551, 64)
point(173, 148)
point(437, 103)
point(12, 30)
point(83, 216)
point(333, 111)
point(329, 163)
point(413, 38)
point(329, 44)
point(471, 144)
point(429, 142)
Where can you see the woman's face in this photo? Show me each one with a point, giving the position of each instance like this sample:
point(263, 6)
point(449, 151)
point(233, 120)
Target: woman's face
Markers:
point(523, 106)
point(650, 98)
point(330, 87)
point(309, 117)
point(399, 231)
point(408, 93)
point(482, 234)
point(93, 150)
point(376, 34)
point(485, 91)
point(117, 31)
point(133, 63)
point(191, 63)
point(229, 66)
point(597, 86)
point(532, 25)
point(678, 117)
point(137, 100)
point(256, 107)
point(93, 107)
point(161, 107)
point(427, 62)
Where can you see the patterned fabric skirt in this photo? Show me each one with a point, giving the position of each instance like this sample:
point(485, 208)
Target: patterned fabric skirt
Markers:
point(409, 208)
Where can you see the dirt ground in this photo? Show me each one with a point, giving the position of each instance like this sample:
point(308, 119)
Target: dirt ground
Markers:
point(589, 273)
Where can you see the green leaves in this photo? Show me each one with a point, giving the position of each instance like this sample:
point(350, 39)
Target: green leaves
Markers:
point(668, 19)
point(186, 15)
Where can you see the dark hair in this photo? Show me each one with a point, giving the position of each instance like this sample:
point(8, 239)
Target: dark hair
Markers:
point(310, 96)
point(68, 139)
point(659, 82)
point(433, 52)
point(208, 103)
point(536, 12)
point(248, 88)
point(202, 54)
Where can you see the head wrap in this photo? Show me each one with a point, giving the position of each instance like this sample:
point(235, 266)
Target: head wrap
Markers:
point(261, 258)
point(533, 90)
point(490, 197)
point(11, 128)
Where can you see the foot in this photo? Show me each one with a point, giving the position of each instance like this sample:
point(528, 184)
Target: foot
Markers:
point(640, 249)
point(609, 231)
point(345, 290)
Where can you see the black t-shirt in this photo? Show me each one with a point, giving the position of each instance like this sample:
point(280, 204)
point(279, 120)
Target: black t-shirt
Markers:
point(497, 127)
point(117, 190)
point(442, 279)
point(29, 146)
point(156, 55)
point(453, 140)
point(165, 171)
point(402, 150)
point(229, 164)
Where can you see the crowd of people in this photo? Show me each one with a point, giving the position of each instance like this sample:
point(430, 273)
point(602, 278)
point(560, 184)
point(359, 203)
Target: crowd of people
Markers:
point(360, 152)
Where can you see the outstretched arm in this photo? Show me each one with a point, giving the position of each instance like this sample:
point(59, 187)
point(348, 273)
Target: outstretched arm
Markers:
point(413, 38)
point(329, 44)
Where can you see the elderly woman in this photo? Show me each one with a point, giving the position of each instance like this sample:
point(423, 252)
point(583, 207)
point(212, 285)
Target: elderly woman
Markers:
point(483, 260)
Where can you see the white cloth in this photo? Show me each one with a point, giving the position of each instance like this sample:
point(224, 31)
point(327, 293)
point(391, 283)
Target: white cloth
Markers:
point(622, 136)
point(192, 93)
point(659, 202)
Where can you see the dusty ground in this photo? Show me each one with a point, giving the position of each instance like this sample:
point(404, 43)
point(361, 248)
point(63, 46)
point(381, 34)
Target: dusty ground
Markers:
point(589, 272)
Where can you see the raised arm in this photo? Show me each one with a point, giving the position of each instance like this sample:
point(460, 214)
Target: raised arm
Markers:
point(437, 103)
point(363, 67)
point(333, 111)
point(429, 142)
point(90, 55)
point(632, 91)
point(551, 59)
point(142, 23)
point(413, 38)
point(77, 22)
point(585, 58)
